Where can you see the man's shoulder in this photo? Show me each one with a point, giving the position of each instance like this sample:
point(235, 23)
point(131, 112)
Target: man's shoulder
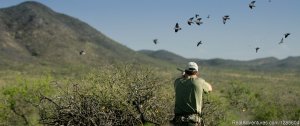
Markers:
point(199, 79)
point(178, 79)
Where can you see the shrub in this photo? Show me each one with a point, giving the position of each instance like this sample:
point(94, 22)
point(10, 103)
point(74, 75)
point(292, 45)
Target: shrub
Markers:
point(214, 110)
point(266, 111)
point(241, 97)
point(111, 95)
point(20, 101)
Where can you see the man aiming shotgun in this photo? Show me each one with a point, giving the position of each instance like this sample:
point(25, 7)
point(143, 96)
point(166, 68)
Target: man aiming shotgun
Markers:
point(188, 96)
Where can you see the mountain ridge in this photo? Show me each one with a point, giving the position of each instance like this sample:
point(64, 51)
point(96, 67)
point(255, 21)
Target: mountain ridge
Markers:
point(164, 55)
point(268, 63)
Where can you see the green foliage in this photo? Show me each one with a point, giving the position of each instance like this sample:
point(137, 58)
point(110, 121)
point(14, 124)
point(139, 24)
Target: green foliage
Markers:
point(133, 94)
point(241, 97)
point(215, 110)
point(276, 107)
point(267, 112)
point(20, 100)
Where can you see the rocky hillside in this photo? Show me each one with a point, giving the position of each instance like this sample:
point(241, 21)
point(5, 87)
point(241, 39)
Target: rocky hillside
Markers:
point(33, 33)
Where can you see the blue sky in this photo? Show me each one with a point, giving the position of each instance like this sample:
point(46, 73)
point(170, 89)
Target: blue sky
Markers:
point(135, 23)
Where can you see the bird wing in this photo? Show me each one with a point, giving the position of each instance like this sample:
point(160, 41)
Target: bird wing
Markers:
point(252, 2)
point(198, 43)
point(286, 35)
point(281, 41)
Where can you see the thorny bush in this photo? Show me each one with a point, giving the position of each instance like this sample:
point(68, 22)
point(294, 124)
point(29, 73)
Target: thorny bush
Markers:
point(114, 95)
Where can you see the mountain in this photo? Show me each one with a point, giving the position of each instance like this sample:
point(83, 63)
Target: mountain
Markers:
point(33, 33)
point(289, 62)
point(165, 55)
point(269, 63)
point(262, 61)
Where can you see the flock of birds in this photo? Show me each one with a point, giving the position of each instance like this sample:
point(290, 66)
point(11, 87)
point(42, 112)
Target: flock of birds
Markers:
point(198, 21)
point(225, 18)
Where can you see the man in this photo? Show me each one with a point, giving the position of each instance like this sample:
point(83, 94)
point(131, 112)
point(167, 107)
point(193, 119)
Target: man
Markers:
point(188, 96)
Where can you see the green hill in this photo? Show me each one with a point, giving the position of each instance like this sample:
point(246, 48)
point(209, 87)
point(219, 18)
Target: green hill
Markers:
point(269, 63)
point(32, 33)
point(165, 55)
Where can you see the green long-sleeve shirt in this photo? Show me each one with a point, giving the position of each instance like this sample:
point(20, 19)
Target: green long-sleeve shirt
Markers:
point(188, 95)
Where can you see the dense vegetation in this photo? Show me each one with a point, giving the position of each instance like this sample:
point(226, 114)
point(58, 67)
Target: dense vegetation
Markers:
point(135, 95)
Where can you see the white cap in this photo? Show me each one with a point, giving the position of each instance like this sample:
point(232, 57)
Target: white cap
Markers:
point(192, 66)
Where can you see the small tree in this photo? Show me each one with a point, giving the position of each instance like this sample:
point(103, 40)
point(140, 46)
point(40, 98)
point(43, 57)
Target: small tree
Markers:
point(112, 95)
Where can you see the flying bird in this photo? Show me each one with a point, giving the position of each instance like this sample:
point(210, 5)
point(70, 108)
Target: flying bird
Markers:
point(199, 43)
point(155, 41)
point(225, 18)
point(177, 28)
point(281, 41)
point(198, 21)
point(208, 16)
point(251, 5)
point(82, 52)
point(190, 21)
point(286, 35)
point(256, 49)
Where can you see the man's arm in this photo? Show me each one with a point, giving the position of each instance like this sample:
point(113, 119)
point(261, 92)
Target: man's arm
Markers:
point(207, 87)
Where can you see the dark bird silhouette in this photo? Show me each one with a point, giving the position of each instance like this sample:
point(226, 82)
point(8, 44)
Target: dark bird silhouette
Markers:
point(197, 15)
point(177, 28)
point(82, 52)
point(286, 35)
point(281, 41)
point(225, 18)
point(155, 41)
point(256, 49)
point(199, 43)
point(208, 16)
point(251, 5)
point(198, 21)
point(190, 21)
